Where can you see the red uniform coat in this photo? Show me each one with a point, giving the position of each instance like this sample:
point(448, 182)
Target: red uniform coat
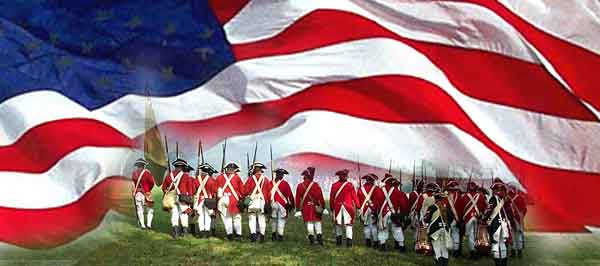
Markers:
point(238, 187)
point(265, 187)
point(186, 185)
point(347, 198)
point(398, 199)
point(362, 197)
point(210, 187)
point(471, 205)
point(519, 207)
point(281, 193)
point(314, 197)
point(412, 200)
point(147, 182)
point(454, 199)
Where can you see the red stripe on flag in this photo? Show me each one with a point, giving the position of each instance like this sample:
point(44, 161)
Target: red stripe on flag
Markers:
point(29, 154)
point(483, 75)
point(48, 228)
point(575, 64)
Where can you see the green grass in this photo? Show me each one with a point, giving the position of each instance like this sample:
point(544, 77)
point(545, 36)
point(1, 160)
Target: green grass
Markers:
point(122, 243)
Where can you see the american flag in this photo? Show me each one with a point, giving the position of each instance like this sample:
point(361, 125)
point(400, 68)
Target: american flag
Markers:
point(509, 86)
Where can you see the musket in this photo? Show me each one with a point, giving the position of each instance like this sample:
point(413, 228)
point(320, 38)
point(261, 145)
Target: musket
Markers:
point(200, 156)
point(167, 150)
point(390, 168)
point(223, 159)
point(255, 149)
point(176, 149)
point(272, 169)
point(358, 169)
point(414, 176)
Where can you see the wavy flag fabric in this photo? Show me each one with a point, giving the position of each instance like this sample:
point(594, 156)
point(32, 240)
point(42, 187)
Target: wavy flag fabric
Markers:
point(504, 85)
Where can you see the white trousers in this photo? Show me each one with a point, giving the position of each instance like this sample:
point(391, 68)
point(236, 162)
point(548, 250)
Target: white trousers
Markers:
point(140, 207)
point(253, 218)
point(471, 233)
point(340, 228)
point(518, 237)
point(232, 223)
point(178, 215)
point(440, 250)
point(369, 227)
point(204, 218)
point(455, 234)
point(397, 232)
point(314, 228)
point(278, 219)
point(499, 239)
point(343, 217)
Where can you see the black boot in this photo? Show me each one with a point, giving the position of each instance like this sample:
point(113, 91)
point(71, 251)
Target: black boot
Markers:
point(349, 242)
point(273, 236)
point(456, 253)
point(174, 232)
point(338, 240)
point(402, 249)
point(252, 237)
point(238, 238)
point(279, 237)
point(311, 239)
point(261, 238)
point(229, 237)
point(182, 231)
point(368, 243)
point(519, 253)
point(383, 247)
point(444, 261)
point(498, 262)
point(396, 245)
point(472, 254)
point(320, 239)
point(513, 253)
point(376, 245)
point(213, 232)
point(505, 262)
point(193, 231)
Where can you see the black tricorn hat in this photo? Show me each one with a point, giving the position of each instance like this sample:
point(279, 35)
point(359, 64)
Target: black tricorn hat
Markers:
point(141, 162)
point(232, 166)
point(258, 165)
point(180, 162)
point(188, 168)
point(207, 168)
point(281, 171)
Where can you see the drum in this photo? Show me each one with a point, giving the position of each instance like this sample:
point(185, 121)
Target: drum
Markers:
point(422, 244)
point(482, 241)
point(168, 200)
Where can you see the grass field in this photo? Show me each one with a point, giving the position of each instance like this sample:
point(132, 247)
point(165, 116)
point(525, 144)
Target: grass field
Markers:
point(122, 243)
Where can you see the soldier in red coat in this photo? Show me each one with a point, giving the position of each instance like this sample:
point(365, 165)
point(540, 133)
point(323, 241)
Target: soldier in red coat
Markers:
point(257, 188)
point(229, 192)
point(454, 197)
point(343, 202)
point(311, 204)
point(471, 205)
point(143, 182)
point(180, 181)
point(393, 213)
point(519, 208)
point(282, 201)
point(368, 209)
point(413, 197)
point(205, 188)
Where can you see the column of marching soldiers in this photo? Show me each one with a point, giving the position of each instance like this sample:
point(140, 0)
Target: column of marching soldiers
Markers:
point(441, 218)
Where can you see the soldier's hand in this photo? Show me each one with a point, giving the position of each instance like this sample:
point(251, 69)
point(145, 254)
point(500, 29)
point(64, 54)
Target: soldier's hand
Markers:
point(325, 212)
point(298, 214)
